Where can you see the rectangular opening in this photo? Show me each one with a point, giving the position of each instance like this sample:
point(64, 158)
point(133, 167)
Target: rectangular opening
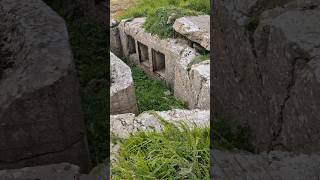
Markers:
point(143, 54)
point(158, 62)
point(131, 45)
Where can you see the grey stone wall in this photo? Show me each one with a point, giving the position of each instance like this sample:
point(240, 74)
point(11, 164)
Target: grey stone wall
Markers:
point(268, 76)
point(40, 109)
point(267, 166)
point(122, 93)
point(191, 86)
point(115, 41)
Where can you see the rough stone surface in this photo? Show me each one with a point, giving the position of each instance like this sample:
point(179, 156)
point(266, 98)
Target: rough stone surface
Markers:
point(123, 125)
point(100, 172)
point(115, 42)
point(193, 85)
point(275, 165)
point(63, 171)
point(195, 28)
point(122, 95)
point(97, 9)
point(172, 50)
point(39, 91)
point(269, 79)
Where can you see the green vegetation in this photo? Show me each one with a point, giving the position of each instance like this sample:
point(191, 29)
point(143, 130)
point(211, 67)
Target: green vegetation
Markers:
point(230, 135)
point(176, 153)
point(161, 14)
point(161, 20)
point(151, 93)
point(89, 46)
point(142, 8)
point(198, 59)
point(88, 42)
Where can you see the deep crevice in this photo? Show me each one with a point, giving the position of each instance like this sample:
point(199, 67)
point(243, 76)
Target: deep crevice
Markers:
point(292, 74)
point(43, 154)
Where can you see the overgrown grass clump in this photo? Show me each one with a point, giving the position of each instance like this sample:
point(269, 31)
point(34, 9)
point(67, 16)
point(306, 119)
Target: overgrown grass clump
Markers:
point(176, 153)
point(161, 14)
point(143, 8)
point(160, 21)
point(151, 93)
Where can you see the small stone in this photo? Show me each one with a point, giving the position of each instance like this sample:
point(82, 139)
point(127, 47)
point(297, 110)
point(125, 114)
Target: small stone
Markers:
point(167, 93)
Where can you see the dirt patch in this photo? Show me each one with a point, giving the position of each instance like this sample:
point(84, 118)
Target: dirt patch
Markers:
point(119, 6)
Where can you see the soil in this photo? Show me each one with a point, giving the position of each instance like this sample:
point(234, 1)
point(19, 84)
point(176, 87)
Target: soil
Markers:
point(119, 6)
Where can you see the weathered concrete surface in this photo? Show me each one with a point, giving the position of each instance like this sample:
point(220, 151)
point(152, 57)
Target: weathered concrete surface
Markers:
point(39, 91)
point(195, 28)
point(275, 165)
point(123, 125)
point(122, 95)
point(193, 85)
point(172, 49)
point(115, 42)
point(269, 78)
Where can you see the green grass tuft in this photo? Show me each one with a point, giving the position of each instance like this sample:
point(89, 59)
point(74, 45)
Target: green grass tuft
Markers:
point(151, 93)
point(176, 153)
point(143, 8)
point(160, 21)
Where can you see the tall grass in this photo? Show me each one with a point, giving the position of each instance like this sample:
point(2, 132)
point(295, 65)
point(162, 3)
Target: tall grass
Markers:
point(151, 93)
point(176, 153)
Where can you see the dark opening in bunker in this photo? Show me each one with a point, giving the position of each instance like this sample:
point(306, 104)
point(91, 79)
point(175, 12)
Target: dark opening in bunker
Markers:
point(143, 54)
point(158, 62)
point(131, 45)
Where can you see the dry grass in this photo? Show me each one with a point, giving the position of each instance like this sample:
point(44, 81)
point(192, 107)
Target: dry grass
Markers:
point(118, 7)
